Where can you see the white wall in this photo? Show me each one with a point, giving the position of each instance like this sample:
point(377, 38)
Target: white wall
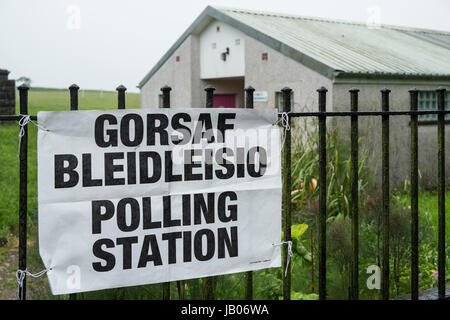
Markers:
point(211, 64)
point(279, 71)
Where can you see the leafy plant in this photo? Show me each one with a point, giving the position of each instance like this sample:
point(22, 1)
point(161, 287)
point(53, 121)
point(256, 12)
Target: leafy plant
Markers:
point(305, 170)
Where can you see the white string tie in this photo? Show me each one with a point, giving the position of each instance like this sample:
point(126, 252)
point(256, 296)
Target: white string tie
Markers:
point(22, 274)
point(23, 121)
point(284, 119)
point(289, 253)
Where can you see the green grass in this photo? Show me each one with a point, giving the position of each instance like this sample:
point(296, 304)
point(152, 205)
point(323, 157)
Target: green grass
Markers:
point(58, 100)
point(428, 237)
point(41, 99)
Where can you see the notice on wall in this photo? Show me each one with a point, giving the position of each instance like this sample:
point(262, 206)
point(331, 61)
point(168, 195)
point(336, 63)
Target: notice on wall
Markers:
point(260, 96)
point(133, 197)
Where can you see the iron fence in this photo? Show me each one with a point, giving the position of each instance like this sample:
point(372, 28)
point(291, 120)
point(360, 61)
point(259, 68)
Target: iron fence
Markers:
point(322, 116)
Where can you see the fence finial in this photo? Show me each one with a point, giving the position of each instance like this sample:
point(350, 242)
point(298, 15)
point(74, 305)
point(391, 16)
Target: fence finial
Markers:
point(121, 96)
point(166, 88)
point(23, 86)
point(209, 96)
point(121, 88)
point(249, 97)
point(166, 96)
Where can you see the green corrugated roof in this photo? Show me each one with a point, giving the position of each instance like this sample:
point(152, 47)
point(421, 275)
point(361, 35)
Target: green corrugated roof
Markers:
point(334, 47)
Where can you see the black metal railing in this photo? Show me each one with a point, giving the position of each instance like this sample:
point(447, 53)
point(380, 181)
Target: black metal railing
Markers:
point(322, 116)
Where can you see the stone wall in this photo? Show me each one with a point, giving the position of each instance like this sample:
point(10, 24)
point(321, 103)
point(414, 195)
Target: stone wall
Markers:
point(7, 94)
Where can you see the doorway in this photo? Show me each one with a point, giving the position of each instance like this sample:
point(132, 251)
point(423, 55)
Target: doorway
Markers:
point(224, 101)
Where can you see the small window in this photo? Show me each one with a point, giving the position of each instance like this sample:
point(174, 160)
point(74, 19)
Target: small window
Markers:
point(237, 41)
point(177, 58)
point(279, 101)
point(265, 56)
point(218, 28)
point(213, 45)
point(428, 101)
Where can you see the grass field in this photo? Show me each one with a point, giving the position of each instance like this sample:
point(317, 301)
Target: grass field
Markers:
point(231, 286)
point(39, 100)
point(428, 209)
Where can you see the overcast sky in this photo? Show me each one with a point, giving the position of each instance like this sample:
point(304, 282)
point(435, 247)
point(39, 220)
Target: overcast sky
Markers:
point(100, 44)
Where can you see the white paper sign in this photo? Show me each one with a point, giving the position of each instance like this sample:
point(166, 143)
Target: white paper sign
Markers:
point(132, 197)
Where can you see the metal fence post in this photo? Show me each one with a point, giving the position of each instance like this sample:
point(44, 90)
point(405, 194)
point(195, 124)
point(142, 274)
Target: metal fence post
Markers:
point(385, 194)
point(322, 194)
point(354, 195)
point(209, 96)
point(249, 275)
point(249, 97)
point(166, 104)
point(121, 105)
point(166, 96)
point(209, 281)
point(121, 96)
point(166, 286)
point(441, 92)
point(23, 189)
point(413, 94)
point(74, 97)
point(287, 195)
point(73, 107)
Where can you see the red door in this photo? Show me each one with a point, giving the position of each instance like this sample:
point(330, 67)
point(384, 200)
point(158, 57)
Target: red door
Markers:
point(224, 101)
